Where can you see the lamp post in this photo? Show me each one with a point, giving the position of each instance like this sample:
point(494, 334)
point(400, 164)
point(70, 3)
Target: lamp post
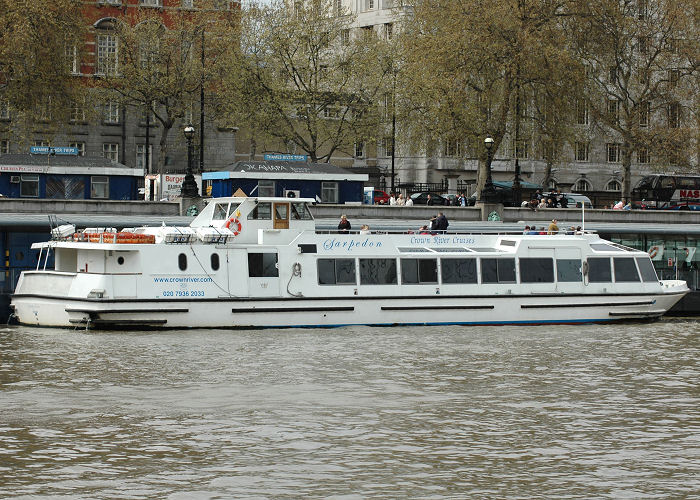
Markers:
point(189, 186)
point(488, 194)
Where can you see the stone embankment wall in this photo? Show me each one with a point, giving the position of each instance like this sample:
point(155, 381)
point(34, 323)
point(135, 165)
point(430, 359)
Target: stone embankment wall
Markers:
point(95, 207)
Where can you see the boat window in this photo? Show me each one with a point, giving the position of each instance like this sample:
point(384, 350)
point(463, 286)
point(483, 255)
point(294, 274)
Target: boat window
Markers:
point(336, 271)
point(536, 270)
point(182, 262)
point(498, 270)
point(625, 269)
point(452, 249)
point(419, 271)
point(215, 261)
point(262, 211)
point(262, 265)
point(646, 268)
point(602, 247)
point(568, 270)
point(220, 211)
point(378, 271)
point(414, 250)
point(458, 270)
point(486, 250)
point(599, 270)
point(300, 211)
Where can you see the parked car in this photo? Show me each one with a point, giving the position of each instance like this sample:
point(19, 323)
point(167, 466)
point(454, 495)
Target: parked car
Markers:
point(422, 198)
point(380, 197)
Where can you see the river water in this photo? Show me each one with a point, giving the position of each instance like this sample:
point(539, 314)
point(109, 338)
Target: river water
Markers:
point(601, 411)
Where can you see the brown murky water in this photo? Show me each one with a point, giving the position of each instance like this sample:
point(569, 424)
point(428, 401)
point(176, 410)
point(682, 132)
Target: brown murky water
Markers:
point(423, 412)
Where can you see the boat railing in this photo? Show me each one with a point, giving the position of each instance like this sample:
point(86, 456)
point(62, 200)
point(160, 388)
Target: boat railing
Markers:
point(459, 232)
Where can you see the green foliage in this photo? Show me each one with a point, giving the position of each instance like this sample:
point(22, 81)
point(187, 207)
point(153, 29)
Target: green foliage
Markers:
point(300, 81)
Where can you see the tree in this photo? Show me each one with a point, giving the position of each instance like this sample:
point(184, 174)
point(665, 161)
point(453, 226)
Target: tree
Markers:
point(466, 61)
point(40, 41)
point(301, 80)
point(160, 68)
point(640, 60)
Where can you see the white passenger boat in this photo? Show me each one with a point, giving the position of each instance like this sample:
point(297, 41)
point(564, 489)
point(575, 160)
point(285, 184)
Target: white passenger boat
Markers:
point(260, 262)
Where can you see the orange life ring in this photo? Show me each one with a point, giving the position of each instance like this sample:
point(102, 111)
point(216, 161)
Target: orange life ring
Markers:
point(233, 221)
point(653, 251)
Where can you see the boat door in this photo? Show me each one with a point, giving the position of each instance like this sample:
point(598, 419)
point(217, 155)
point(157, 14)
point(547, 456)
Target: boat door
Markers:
point(280, 212)
point(567, 270)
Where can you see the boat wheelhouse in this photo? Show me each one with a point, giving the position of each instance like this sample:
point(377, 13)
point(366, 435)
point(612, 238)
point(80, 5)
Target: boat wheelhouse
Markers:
point(260, 262)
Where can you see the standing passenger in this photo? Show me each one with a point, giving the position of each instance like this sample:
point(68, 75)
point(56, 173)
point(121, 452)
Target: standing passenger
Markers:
point(344, 225)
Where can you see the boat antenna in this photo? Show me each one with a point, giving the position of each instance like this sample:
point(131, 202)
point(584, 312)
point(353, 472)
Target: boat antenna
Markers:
point(583, 216)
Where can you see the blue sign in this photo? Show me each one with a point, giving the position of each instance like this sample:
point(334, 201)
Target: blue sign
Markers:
point(47, 150)
point(284, 157)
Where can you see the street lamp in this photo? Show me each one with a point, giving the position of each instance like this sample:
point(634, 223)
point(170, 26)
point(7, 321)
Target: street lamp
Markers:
point(488, 194)
point(189, 186)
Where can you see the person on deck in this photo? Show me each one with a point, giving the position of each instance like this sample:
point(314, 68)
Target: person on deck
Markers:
point(344, 225)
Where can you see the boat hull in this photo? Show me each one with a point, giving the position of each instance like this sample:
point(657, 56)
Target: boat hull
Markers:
point(332, 312)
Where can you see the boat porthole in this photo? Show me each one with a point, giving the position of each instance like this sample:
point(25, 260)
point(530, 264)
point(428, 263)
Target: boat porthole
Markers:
point(120, 260)
point(215, 261)
point(182, 261)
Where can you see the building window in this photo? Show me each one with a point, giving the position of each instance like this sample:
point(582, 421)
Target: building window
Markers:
point(266, 188)
point(643, 45)
point(370, 4)
point(187, 4)
point(612, 74)
point(359, 150)
point(582, 185)
point(29, 185)
point(329, 192)
point(338, 8)
point(141, 156)
point(641, 9)
point(72, 60)
point(4, 109)
point(110, 150)
point(385, 148)
point(4, 146)
point(613, 110)
point(613, 185)
point(581, 112)
point(673, 76)
point(111, 113)
point(80, 146)
point(44, 109)
point(613, 149)
point(388, 31)
point(644, 112)
point(99, 186)
point(152, 116)
point(674, 115)
point(150, 3)
point(643, 155)
point(77, 112)
point(107, 47)
point(345, 37)
point(522, 150)
point(581, 151)
point(40, 143)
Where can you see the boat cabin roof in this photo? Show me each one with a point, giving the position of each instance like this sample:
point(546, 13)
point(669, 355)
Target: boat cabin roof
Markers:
point(219, 210)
